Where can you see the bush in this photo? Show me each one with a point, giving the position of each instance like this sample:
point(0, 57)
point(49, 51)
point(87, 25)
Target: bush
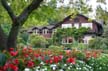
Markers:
point(98, 43)
point(56, 47)
point(23, 39)
point(38, 41)
point(99, 64)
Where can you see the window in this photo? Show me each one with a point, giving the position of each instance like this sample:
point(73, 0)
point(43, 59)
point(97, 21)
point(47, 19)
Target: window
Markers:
point(45, 31)
point(76, 25)
point(35, 31)
point(87, 25)
point(67, 40)
point(67, 25)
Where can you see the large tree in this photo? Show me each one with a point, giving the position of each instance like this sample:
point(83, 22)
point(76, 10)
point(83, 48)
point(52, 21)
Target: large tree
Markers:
point(17, 22)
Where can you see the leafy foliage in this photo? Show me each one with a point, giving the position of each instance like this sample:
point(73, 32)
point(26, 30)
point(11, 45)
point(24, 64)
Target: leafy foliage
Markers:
point(69, 32)
point(99, 64)
point(3, 59)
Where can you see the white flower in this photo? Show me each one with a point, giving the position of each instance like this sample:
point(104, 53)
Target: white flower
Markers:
point(53, 65)
point(54, 68)
point(68, 68)
point(42, 63)
point(37, 70)
point(65, 64)
point(38, 67)
point(45, 69)
point(27, 69)
point(61, 70)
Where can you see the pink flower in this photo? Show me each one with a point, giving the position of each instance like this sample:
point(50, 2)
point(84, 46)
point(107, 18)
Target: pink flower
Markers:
point(60, 57)
point(68, 52)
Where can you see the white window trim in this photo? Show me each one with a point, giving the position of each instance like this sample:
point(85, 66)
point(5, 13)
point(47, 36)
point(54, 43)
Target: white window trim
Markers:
point(67, 25)
point(76, 25)
point(45, 31)
point(35, 31)
point(87, 25)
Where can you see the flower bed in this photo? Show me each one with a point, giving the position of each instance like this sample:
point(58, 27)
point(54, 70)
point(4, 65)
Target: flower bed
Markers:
point(28, 59)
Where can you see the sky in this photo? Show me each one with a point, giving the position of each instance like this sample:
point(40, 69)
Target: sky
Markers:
point(93, 4)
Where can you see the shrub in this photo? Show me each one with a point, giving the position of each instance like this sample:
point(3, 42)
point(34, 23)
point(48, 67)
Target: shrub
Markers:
point(99, 64)
point(98, 43)
point(38, 41)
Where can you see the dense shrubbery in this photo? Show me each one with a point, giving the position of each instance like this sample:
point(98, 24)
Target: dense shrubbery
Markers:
point(100, 42)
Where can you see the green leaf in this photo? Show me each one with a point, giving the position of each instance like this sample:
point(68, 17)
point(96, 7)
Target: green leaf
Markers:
point(3, 59)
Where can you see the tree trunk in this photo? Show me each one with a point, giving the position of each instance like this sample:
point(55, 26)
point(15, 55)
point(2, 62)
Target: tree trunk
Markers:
point(12, 38)
point(2, 39)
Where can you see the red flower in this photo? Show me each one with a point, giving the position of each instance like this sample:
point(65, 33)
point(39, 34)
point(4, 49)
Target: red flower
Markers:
point(26, 55)
point(13, 67)
point(71, 60)
point(30, 64)
point(16, 61)
point(11, 49)
point(36, 55)
point(47, 61)
point(5, 67)
point(24, 50)
point(13, 53)
point(56, 59)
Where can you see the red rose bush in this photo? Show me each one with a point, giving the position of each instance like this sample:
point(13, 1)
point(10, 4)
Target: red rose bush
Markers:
point(27, 59)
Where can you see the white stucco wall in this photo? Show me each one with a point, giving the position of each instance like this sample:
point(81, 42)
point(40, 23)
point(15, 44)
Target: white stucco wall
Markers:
point(87, 38)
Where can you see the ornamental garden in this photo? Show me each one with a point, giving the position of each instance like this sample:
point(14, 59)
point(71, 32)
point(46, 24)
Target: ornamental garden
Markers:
point(39, 35)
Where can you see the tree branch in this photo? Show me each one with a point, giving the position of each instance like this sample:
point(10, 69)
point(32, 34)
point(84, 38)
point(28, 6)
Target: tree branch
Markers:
point(27, 11)
point(8, 9)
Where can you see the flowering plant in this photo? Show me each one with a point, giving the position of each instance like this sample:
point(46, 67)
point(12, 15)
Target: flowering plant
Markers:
point(38, 59)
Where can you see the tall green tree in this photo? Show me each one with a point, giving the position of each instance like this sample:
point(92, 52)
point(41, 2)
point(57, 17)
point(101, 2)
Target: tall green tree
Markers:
point(17, 22)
